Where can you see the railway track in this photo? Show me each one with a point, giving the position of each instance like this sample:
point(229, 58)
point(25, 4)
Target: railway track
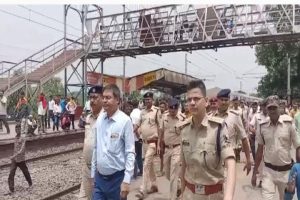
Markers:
point(62, 192)
point(45, 156)
point(41, 142)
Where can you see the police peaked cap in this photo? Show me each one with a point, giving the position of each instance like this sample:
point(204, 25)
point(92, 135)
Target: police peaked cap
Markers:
point(148, 95)
point(224, 93)
point(173, 103)
point(273, 101)
point(96, 89)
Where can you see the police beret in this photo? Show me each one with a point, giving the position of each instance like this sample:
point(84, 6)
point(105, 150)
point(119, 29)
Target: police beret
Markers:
point(224, 93)
point(273, 101)
point(95, 89)
point(173, 103)
point(148, 95)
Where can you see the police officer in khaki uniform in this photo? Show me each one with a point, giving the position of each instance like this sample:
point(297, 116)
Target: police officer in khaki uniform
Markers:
point(171, 138)
point(95, 95)
point(258, 118)
point(235, 126)
point(205, 147)
point(163, 110)
point(149, 128)
point(277, 135)
point(213, 102)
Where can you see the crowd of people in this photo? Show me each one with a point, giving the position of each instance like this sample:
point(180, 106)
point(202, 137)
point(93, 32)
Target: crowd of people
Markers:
point(198, 142)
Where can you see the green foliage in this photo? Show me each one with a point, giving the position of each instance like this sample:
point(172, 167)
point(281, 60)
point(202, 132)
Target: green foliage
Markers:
point(274, 58)
point(53, 87)
point(135, 95)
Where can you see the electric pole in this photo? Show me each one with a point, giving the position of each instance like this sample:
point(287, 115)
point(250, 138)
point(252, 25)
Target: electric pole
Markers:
point(289, 80)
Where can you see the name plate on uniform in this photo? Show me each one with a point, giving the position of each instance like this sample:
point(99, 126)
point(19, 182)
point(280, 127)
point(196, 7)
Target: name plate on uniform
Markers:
point(199, 189)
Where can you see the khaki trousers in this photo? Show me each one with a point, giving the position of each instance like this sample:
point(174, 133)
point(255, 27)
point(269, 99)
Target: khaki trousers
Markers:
point(172, 169)
point(189, 195)
point(149, 150)
point(271, 181)
point(86, 187)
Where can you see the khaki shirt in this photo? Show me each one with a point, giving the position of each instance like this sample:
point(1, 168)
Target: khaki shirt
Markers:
point(168, 126)
point(199, 150)
point(89, 139)
point(149, 123)
point(160, 116)
point(278, 140)
point(235, 126)
point(257, 119)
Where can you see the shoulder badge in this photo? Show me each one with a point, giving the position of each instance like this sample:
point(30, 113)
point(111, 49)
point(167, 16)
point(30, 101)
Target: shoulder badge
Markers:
point(155, 107)
point(182, 116)
point(263, 122)
point(234, 112)
point(215, 119)
point(182, 124)
point(286, 118)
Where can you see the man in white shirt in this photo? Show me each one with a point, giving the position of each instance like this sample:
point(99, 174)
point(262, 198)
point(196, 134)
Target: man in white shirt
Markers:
point(257, 119)
point(42, 108)
point(254, 107)
point(3, 113)
point(50, 110)
point(135, 116)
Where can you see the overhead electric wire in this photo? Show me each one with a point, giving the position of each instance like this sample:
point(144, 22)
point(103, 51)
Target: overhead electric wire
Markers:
point(214, 62)
point(221, 62)
point(36, 22)
point(197, 66)
point(46, 16)
point(16, 47)
point(247, 72)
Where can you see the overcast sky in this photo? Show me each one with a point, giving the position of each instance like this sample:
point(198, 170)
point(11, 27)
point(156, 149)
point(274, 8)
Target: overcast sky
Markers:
point(20, 38)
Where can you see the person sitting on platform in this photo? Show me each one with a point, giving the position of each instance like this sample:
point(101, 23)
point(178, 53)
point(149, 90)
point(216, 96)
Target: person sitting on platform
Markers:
point(32, 125)
point(82, 120)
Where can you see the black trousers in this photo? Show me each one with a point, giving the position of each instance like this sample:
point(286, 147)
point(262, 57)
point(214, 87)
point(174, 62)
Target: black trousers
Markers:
point(11, 176)
point(138, 156)
point(4, 121)
point(72, 118)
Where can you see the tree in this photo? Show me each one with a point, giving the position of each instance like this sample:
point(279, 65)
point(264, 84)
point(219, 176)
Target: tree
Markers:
point(53, 87)
point(274, 58)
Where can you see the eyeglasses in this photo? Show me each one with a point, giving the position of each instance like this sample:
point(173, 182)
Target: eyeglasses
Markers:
point(195, 99)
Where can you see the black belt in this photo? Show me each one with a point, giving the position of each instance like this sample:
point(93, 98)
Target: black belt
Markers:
point(171, 146)
point(279, 168)
point(111, 176)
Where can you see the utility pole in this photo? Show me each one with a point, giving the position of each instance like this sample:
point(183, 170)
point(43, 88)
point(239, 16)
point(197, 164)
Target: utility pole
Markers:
point(289, 80)
point(124, 59)
point(186, 63)
point(65, 44)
